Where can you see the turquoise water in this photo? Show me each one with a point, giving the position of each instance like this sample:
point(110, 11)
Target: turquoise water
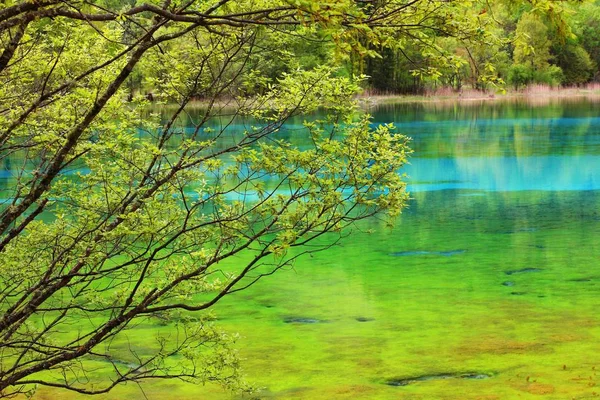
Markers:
point(486, 288)
point(500, 147)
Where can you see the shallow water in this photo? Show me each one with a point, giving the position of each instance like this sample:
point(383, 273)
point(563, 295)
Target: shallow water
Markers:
point(487, 287)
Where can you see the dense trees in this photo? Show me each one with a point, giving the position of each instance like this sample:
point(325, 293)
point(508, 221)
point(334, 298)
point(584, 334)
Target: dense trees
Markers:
point(515, 42)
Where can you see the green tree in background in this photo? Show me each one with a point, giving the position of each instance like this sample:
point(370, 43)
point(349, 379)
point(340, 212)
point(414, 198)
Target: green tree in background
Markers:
point(532, 46)
point(519, 41)
point(586, 26)
point(575, 62)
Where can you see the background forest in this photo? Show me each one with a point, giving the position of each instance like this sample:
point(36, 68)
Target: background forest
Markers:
point(556, 47)
point(555, 44)
point(488, 45)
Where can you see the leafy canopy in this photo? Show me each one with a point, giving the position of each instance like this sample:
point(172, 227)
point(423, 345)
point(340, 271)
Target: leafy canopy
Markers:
point(114, 217)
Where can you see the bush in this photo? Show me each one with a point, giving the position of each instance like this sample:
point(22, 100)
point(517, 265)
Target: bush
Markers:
point(576, 63)
point(553, 76)
point(520, 75)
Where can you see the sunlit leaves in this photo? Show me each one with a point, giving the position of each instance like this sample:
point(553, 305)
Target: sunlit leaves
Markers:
point(133, 214)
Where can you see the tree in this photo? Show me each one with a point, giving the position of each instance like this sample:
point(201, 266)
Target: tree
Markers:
point(586, 24)
point(409, 59)
point(575, 63)
point(532, 46)
point(113, 217)
point(519, 75)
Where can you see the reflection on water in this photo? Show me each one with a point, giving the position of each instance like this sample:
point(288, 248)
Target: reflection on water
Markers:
point(500, 146)
point(552, 172)
point(492, 271)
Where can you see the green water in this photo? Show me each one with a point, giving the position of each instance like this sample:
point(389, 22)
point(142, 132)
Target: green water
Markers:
point(488, 283)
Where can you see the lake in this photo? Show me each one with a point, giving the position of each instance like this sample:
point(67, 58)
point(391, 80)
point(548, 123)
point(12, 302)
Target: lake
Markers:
point(486, 288)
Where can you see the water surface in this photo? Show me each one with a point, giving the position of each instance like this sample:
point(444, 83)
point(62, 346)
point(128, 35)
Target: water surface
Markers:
point(487, 287)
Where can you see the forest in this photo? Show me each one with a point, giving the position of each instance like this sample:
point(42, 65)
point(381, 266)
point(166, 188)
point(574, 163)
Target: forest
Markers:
point(520, 43)
point(482, 45)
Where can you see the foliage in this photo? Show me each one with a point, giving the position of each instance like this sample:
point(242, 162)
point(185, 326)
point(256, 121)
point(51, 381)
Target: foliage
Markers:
point(114, 217)
point(575, 63)
point(520, 75)
point(532, 45)
point(552, 76)
point(498, 41)
point(587, 28)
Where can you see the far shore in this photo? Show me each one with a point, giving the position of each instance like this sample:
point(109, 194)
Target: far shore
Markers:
point(535, 94)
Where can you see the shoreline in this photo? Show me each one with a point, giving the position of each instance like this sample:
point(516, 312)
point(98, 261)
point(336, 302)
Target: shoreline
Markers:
point(534, 94)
